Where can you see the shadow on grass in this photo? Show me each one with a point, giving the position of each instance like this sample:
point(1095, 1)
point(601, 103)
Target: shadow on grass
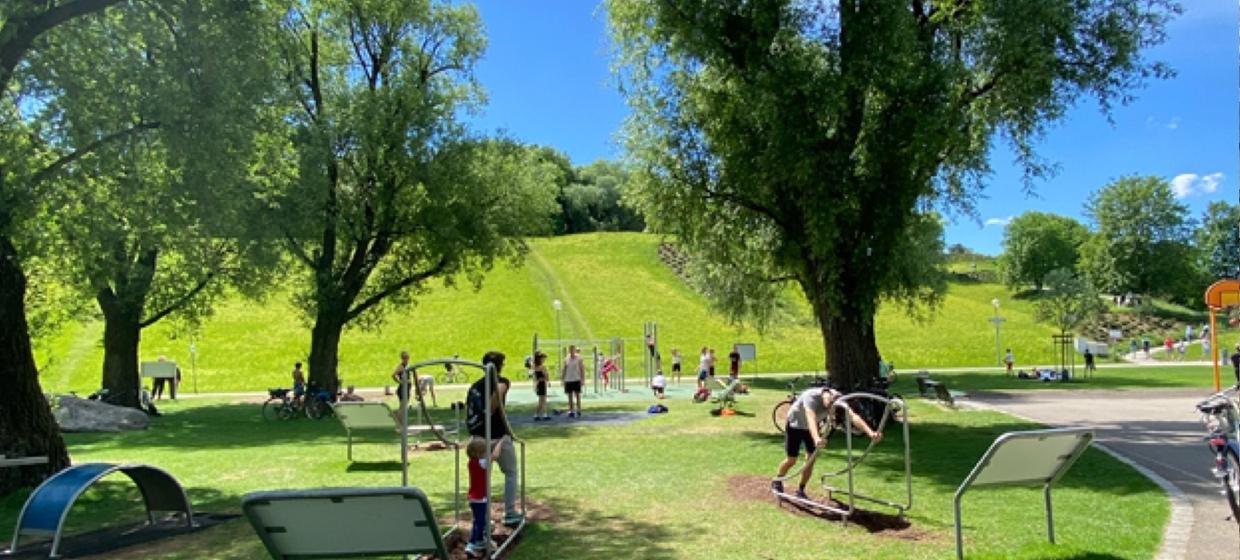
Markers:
point(562, 525)
point(944, 454)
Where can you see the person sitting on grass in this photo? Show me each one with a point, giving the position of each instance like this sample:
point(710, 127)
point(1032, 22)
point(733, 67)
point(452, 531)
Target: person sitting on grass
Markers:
point(801, 430)
point(479, 501)
point(350, 396)
point(658, 384)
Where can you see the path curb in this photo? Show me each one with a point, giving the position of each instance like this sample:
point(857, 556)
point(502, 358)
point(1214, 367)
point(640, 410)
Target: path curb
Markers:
point(1179, 527)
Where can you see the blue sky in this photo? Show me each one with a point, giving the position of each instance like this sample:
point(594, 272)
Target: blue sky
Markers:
point(546, 73)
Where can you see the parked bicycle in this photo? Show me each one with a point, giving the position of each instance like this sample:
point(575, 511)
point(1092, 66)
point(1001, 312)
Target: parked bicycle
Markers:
point(317, 403)
point(1221, 417)
point(451, 374)
point(868, 409)
point(779, 415)
point(280, 405)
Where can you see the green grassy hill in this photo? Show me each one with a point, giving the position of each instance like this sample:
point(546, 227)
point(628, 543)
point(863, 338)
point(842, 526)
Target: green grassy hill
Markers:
point(610, 284)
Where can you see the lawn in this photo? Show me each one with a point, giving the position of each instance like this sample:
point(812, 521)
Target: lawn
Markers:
point(660, 488)
point(610, 285)
point(1109, 377)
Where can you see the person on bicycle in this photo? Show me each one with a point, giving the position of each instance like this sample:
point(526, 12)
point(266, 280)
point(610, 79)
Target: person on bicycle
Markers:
point(810, 408)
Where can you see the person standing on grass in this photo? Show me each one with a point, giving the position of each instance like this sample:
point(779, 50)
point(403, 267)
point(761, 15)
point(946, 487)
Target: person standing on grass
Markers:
point(476, 420)
point(401, 376)
point(299, 382)
point(539, 373)
point(676, 365)
point(710, 362)
point(1145, 345)
point(1089, 362)
point(734, 359)
point(1009, 359)
point(1235, 362)
point(571, 375)
point(1132, 348)
point(703, 367)
point(801, 430)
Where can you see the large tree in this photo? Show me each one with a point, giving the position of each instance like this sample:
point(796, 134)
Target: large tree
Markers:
point(27, 163)
point(1035, 243)
point(1142, 239)
point(1069, 301)
point(391, 190)
point(799, 139)
point(1218, 241)
point(151, 224)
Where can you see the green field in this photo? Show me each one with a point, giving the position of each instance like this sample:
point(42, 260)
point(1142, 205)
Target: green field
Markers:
point(663, 487)
point(610, 284)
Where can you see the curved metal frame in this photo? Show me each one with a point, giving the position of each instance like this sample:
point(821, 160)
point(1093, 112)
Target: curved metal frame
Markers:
point(851, 463)
point(128, 469)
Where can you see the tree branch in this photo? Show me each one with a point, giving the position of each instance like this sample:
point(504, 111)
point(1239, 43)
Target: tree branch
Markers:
point(180, 302)
point(396, 287)
point(295, 246)
point(62, 161)
point(21, 32)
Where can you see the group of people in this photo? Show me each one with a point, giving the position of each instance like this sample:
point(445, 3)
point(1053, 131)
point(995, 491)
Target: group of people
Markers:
point(706, 364)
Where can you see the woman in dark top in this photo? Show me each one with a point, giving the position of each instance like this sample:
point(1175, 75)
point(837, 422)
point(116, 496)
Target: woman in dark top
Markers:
point(540, 386)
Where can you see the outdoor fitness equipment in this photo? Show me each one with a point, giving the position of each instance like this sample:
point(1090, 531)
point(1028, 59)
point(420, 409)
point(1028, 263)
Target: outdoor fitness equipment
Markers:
point(615, 347)
point(47, 507)
point(727, 396)
point(487, 370)
point(840, 409)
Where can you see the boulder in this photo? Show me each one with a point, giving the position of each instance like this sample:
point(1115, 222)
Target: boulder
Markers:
point(83, 415)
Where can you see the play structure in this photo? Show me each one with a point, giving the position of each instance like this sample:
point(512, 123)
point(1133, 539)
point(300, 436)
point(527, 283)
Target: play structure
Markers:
point(596, 351)
point(46, 509)
point(1220, 296)
point(839, 409)
point(726, 397)
point(346, 522)
point(1032, 458)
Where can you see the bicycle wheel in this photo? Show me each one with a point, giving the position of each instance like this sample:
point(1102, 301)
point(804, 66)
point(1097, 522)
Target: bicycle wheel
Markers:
point(1231, 482)
point(271, 409)
point(316, 409)
point(288, 411)
point(779, 416)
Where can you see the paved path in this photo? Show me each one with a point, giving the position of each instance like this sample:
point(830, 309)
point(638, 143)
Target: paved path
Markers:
point(1157, 429)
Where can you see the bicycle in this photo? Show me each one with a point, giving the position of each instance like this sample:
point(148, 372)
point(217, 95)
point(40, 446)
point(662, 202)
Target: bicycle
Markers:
point(317, 403)
point(779, 415)
point(280, 406)
point(1221, 417)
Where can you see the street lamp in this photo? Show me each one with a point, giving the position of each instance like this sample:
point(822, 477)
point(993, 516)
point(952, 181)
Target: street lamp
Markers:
point(559, 340)
point(997, 320)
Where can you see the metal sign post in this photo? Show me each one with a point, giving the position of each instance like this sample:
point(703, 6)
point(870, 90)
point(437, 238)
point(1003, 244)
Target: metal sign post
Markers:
point(1032, 458)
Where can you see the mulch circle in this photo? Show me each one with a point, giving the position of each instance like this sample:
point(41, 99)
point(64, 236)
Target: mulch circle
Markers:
point(757, 488)
point(536, 512)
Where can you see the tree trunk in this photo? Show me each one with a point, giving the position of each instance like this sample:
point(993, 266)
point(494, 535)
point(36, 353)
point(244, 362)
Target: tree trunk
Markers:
point(852, 354)
point(121, 336)
point(325, 350)
point(27, 427)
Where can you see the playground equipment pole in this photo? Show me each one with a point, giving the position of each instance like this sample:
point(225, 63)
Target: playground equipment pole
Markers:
point(997, 320)
point(559, 344)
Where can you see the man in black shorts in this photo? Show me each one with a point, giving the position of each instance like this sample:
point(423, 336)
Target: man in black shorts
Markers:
point(811, 407)
point(573, 373)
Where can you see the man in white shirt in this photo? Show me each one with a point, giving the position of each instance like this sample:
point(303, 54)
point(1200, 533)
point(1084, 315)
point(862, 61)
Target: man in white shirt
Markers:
point(572, 374)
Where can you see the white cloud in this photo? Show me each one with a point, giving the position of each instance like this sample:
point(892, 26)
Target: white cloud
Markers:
point(1188, 184)
point(999, 221)
point(1174, 124)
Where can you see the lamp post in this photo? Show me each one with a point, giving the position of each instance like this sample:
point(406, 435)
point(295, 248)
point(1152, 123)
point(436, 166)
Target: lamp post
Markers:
point(559, 340)
point(997, 320)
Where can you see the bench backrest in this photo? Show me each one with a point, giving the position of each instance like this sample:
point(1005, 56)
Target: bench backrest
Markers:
point(365, 415)
point(165, 369)
point(344, 522)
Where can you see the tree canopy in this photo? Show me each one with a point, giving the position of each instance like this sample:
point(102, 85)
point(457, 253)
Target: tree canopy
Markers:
point(390, 190)
point(802, 140)
point(1035, 243)
point(1141, 239)
point(1218, 241)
